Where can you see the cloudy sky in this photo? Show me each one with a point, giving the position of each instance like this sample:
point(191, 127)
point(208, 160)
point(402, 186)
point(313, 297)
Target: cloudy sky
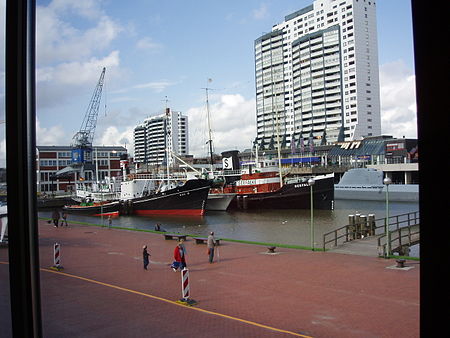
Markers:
point(158, 50)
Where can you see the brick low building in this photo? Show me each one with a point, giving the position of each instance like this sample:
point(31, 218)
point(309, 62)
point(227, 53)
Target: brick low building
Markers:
point(51, 159)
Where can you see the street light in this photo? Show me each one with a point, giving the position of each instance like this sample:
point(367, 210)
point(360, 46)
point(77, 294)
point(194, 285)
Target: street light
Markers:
point(387, 233)
point(311, 183)
point(101, 205)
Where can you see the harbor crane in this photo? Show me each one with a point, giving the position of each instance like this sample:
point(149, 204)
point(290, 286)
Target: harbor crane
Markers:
point(82, 140)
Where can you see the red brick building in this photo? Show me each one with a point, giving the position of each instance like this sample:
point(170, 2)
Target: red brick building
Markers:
point(51, 159)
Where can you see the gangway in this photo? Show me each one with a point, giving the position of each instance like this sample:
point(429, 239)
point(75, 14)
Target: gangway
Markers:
point(368, 237)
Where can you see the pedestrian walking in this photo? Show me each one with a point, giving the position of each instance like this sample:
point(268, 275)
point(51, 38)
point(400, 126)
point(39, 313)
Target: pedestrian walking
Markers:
point(64, 218)
point(55, 217)
point(211, 243)
point(145, 255)
point(179, 254)
point(109, 221)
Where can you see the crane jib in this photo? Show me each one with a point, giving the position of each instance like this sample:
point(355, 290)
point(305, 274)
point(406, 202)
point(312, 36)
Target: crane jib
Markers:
point(82, 140)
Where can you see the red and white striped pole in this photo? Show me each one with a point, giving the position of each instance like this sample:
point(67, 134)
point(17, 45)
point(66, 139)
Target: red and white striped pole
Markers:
point(57, 257)
point(185, 284)
point(185, 290)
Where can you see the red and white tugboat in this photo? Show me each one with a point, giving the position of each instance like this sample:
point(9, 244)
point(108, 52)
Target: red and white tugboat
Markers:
point(263, 188)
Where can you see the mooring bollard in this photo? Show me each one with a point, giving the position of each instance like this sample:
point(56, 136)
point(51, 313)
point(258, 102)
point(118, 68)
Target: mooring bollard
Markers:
point(401, 263)
point(351, 227)
point(358, 226)
point(363, 225)
point(57, 257)
point(271, 249)
point(371, 221)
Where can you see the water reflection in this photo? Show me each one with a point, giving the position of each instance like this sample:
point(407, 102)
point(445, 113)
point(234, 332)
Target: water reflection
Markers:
point(274, 226)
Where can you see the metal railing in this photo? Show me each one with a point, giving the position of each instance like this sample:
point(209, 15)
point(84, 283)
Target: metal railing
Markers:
point(402, 237)
point(375, 227)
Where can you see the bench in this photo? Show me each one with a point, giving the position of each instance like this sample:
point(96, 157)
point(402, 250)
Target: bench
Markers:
point(176, 236)
point(200, 240)
point(401, 263)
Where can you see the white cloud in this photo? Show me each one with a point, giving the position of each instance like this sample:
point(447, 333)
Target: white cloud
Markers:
point(232, 122)
point(123, 99)
point(147, 43)
point(260, 13)
point(57, 39)
point(77, 73)
point(55, 85)
point(113, 137)
point(73, 44)
point(398, 100)
point(156, 86)
point(53, 136)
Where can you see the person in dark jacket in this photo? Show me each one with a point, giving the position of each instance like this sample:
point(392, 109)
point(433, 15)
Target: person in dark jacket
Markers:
point(211, 243)
point(64, 218)
point(55, 217)
point(145, 255)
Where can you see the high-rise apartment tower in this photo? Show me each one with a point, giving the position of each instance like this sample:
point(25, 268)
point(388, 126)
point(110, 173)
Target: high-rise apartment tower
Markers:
point(157, 134)
point(317, 74)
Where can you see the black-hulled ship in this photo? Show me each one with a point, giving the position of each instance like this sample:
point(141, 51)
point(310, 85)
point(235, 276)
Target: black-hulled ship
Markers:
point(262, 189)
point(145, 196)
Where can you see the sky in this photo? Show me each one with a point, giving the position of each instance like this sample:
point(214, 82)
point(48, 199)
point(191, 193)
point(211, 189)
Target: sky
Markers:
point(164, 52)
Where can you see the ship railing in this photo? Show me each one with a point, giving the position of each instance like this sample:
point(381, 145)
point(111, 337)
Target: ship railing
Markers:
point(236, 172)
point(365, 227)
point(174, 176)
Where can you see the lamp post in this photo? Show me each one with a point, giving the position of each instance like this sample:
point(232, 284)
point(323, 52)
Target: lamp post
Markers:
point(311, 183)
point(387, 233)
point(101, 205)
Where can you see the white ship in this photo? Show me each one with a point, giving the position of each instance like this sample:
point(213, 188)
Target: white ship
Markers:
point(367, 184)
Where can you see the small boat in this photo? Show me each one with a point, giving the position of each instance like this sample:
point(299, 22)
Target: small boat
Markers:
point(218, 201)
point(50, 201)
point(367, 184)
point(94, 208)
point(107, 190)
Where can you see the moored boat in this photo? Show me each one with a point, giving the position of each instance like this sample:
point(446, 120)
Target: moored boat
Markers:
point(218, 201)
point(94, 209)
point(50, 201)
point(182, 198)
point(262, 189)
point(367, 184)
point(107, 190)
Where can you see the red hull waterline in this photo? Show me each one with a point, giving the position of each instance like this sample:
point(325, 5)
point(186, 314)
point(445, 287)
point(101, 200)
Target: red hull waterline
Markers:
point(114, 213)
point(181, 212)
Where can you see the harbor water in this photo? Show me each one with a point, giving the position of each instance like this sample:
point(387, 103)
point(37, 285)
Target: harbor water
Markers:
point(269, 226)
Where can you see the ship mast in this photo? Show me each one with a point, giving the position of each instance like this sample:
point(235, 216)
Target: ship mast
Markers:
point(279, 150)
point(167, 135)
point(209, 127)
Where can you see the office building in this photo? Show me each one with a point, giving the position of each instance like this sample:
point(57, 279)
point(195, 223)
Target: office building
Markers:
point(158, 133)
point(317, 75)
